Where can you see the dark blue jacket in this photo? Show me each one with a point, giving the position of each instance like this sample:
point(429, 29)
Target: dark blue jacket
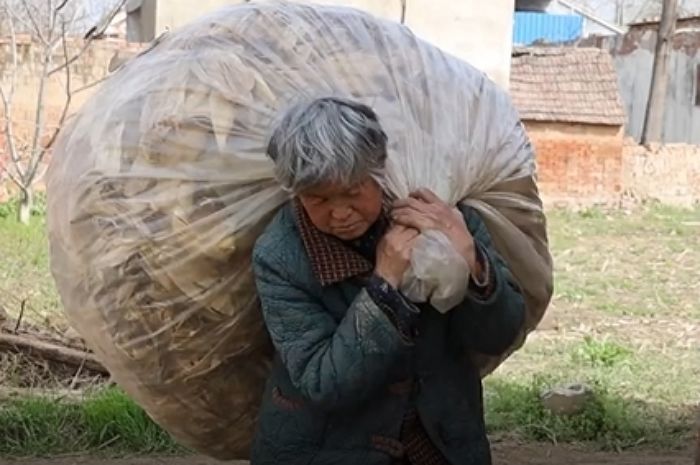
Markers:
point(337, 393)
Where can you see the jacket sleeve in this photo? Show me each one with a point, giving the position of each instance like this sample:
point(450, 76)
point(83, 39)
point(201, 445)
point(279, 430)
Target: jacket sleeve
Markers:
point(491, 325)
point(333, 364)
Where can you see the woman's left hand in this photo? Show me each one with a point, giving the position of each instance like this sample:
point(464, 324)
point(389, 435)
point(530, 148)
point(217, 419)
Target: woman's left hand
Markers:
point(425, 211)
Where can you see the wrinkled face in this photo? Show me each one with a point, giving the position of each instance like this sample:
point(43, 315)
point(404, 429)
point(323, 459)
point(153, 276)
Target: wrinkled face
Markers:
point(346, 212)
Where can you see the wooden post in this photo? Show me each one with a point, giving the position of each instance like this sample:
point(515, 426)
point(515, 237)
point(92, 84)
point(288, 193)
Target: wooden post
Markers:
point(656, 105)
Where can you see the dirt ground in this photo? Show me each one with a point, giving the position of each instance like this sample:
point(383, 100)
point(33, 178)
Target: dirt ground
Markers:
point(504, 454)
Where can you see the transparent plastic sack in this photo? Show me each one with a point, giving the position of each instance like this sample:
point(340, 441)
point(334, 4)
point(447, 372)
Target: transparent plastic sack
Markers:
point(159, 187)
point(438, 273)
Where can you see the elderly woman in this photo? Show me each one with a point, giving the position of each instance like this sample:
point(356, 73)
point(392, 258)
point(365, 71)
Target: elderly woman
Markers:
point(361, 375)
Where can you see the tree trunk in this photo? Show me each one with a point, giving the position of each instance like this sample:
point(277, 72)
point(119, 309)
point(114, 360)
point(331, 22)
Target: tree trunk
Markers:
point(656, 106)
point(26, 203)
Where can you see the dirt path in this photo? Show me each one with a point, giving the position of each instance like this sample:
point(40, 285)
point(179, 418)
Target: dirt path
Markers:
point(504, 454)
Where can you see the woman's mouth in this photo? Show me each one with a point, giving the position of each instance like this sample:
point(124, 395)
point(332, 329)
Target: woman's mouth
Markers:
point(347, 230)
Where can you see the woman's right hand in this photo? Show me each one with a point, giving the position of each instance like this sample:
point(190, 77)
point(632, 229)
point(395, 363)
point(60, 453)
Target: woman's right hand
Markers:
point(394, 254)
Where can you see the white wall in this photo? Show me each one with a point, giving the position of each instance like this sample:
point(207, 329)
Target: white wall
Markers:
point(590, 27)
point(479, 32)
point(474, 30)
point(173, 13)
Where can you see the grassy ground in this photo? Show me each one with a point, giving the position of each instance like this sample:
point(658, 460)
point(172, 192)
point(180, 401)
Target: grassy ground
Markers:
point(106, 422)
point(25, 279)
point(625, 319)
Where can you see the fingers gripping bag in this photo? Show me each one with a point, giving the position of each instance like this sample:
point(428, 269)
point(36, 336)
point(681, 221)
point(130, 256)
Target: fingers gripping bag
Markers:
point(159, 187)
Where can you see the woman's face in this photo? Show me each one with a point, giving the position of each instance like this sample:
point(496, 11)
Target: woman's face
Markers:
point(346, 212)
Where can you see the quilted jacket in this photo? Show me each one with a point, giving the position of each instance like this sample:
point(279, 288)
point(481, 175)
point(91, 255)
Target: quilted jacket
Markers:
point(343, 377)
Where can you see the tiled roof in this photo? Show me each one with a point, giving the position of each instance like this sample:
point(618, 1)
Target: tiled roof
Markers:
point(576, 85)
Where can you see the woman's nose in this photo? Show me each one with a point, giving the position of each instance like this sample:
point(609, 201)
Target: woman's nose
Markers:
point(341, 213)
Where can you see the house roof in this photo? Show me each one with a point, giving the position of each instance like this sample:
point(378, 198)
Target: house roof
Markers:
point(573, 85)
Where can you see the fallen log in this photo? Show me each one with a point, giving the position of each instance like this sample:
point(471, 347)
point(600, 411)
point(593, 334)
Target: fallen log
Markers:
point(50, 351)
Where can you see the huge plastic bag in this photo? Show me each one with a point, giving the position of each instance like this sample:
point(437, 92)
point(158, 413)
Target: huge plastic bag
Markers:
point(159, 187)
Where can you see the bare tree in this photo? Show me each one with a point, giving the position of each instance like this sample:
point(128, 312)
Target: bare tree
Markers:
point(48, 24)
point(656, 105)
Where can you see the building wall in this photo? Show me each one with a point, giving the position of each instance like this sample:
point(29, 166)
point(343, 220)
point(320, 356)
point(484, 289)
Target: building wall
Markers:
point(172, 13)
point(476, 31)
point(669, 174)
point(585, 165)
point(533, 27)
point(590, 27)
point(88, 70)
point(633, 54)
point(578, 163)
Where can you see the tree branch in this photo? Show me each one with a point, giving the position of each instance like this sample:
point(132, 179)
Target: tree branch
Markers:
point(40, 119)
point(90, 86)
point(7, 101)
point(91, 35)
point(35, 24)
point(13, 178)
point(36, 160)
point(50, 351)
point(18, 18)
point(9, 97)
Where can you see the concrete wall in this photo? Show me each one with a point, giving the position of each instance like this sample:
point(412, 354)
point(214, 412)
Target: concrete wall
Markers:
point(633, 54)
point(476, 31)
point(668, 174)
point(173, 13)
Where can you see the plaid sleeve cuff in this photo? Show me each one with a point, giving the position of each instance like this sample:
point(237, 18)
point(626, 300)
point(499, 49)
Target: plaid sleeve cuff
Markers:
point(400, 312)
point(482, 289)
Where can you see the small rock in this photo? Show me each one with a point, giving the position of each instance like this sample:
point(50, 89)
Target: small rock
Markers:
point(569, 399)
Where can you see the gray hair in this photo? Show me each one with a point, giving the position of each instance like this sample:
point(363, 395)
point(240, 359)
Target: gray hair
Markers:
point(327, 140)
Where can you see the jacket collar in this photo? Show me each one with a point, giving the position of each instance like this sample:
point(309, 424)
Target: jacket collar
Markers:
point(332, 260)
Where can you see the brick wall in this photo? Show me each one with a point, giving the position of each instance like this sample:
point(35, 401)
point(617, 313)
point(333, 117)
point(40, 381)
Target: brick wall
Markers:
point(578, 163)
point(583, 165)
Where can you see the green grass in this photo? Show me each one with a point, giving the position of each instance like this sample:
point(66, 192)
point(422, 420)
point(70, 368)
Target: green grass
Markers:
point(25, 278)
point(106, 422)
point(642, 264)
point(109, 423)
point(627, 304)
point(603, 354)
point(611, 421)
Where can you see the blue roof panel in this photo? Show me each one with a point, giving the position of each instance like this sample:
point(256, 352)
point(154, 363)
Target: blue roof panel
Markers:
point(531, 27)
